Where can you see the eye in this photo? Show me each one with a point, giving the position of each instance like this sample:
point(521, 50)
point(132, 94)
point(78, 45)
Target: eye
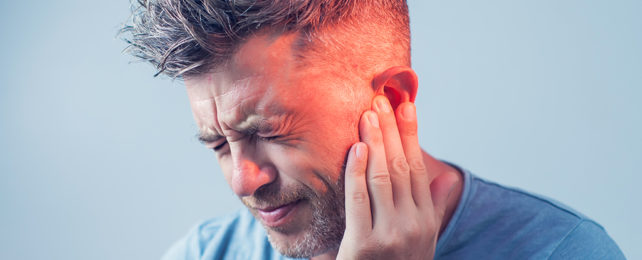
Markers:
point(220, 146)
point(268, 138)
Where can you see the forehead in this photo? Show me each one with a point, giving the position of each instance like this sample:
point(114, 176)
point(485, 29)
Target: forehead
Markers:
point(263, 77)
point(265, 55)
point(263, 61)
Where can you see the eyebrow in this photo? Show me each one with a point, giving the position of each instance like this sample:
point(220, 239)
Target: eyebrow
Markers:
point(207, 138)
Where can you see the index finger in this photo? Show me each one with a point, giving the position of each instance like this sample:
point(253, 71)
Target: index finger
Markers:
point(357, 201)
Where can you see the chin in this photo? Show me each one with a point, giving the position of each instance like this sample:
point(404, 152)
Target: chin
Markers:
point(314, 230)
point(303, 245)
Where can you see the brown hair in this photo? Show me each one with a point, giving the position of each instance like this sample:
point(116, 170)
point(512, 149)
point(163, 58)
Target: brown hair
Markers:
point(189, 37)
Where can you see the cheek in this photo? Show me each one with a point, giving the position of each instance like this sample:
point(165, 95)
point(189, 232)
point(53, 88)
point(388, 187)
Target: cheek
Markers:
point(290, 161)
point(339, 136)
point(304, 166)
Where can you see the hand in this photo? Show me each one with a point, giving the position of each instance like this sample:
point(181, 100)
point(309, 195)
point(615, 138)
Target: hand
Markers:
point(391, 210)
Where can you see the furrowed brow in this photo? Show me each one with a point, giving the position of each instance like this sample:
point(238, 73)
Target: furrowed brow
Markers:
point(248, 128)
point(256, 124)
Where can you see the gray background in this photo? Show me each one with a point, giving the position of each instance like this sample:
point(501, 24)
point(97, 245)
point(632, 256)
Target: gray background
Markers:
point(98, 158)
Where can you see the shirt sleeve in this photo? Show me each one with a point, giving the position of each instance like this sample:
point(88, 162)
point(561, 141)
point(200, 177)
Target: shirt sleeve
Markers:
point(218, 238)
point(587, 240)
point(197, 243)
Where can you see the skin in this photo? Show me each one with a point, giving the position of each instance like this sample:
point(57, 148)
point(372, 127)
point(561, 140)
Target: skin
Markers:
point(311, 140)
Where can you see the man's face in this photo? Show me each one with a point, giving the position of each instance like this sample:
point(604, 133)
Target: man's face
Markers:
point(281, 134)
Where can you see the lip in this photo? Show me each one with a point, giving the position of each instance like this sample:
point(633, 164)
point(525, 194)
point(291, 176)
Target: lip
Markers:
point(276, 216)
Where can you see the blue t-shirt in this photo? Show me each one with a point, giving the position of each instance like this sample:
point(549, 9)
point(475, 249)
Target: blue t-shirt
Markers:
point(491, 222)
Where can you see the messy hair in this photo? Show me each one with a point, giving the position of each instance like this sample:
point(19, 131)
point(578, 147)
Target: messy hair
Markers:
point(189, 37)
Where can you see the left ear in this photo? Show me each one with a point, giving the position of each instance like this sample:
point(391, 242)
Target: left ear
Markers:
point(398, 84)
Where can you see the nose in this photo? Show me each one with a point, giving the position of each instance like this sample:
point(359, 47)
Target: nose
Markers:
point(248, 177)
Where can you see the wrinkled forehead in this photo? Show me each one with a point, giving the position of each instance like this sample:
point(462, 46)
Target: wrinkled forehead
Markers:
point(258, 79)
point(263, 77)
point(217, 100)
point(262, 62)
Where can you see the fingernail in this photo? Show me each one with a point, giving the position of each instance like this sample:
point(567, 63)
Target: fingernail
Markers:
point(374, 121)
point(383, 105)
point(409, 112)
point(360, 151)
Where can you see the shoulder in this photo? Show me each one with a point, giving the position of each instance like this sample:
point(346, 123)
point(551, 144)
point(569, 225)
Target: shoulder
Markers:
point(587, 240)
point(495, 220)
point(543, 225)
point(235, 236)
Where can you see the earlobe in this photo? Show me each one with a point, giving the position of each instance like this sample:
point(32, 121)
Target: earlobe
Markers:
point(398, 84)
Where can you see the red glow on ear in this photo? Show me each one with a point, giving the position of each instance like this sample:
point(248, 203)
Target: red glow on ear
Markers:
point(398, 84)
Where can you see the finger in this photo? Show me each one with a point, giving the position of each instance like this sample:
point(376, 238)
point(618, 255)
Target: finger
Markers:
point(395, 158)
point(377, 176)
point(357, 203)
point(419, 178)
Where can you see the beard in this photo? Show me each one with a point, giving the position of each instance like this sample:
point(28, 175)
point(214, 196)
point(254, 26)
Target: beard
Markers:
point(327, 225)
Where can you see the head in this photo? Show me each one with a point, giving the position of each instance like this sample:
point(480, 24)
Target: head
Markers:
point(277, 89)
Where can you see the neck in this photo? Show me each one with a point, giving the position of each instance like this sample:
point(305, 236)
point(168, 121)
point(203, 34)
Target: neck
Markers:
point(436, 168)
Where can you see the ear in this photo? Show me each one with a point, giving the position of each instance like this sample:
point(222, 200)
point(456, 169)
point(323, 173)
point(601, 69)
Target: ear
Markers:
point(398, 84)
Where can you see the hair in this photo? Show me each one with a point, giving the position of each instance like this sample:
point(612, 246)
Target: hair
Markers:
point(190, 37)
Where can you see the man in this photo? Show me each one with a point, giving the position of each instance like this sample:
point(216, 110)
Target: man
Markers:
point(308, 105)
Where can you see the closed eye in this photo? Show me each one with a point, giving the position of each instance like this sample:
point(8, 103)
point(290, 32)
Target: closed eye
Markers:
point(260, 138)
point(268, 138)
point(220, 146)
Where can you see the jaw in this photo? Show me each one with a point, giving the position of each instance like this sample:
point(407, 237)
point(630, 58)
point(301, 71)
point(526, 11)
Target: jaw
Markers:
point(315, 230)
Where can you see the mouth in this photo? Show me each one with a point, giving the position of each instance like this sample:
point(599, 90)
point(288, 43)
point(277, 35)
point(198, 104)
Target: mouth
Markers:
point(279, 215)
